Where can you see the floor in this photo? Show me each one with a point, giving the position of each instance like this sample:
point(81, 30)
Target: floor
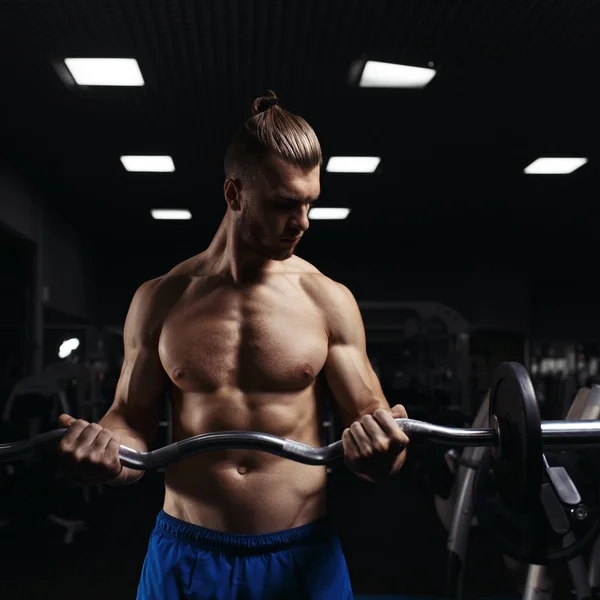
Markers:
point(392, 539)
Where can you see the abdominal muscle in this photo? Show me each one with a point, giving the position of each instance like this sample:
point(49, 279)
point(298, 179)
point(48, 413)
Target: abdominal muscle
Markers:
point(246, 491)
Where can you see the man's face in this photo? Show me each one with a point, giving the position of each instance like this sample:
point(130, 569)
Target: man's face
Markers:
point(274, 207)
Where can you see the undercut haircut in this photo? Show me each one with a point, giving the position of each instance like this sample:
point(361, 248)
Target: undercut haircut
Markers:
point(271, 131)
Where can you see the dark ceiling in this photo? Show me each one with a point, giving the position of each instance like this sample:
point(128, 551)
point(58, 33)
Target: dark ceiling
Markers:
point(515, 81)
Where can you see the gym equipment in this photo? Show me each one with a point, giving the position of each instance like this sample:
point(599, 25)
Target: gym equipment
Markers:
point(585, 579)
point(526, 491)
point(533, 510)
point(458, 514)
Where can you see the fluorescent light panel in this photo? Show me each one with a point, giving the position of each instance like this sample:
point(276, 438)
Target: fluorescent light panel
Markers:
point(390, 75)
point(168, 214)
point(554, 166)
point(148, 164)
point(105, 71)
point(328, 213)
point(353, 164)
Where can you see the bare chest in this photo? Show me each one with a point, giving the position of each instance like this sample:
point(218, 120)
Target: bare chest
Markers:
point(271, 338)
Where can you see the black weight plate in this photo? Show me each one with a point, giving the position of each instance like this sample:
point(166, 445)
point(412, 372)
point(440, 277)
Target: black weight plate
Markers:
point(517, 462)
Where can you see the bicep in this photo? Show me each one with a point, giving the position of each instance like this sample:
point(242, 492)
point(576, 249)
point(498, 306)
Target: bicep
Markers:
point(352, 381)
point(141, 390)
point(348, 370)
point(143, 382)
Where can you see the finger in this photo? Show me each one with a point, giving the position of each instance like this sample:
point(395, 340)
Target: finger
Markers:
point(98, 447)
point(351, 449)
point(65, 420)
point(67, 444)
point(362, 438)
point(111, 455)
point(85, 441)
point(399, 412)
point(380, 441)
point(390, 427)
point(88, 436)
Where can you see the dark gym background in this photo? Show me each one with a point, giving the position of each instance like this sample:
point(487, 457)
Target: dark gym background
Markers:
point(449, 217)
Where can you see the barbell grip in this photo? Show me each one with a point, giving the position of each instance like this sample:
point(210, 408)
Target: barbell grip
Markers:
point(231, 440)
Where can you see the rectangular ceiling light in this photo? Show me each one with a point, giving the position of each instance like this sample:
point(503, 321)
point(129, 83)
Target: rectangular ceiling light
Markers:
point(148, 164)
point(328, 213)
point(554, 166)
point(105, 71)
point(389, 75)
point(167, 214)
point(353, 164)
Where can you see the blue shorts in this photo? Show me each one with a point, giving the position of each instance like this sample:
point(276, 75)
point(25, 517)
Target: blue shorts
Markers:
point(192, 562)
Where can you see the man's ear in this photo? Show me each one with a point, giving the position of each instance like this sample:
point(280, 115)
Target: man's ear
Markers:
point(231, 190)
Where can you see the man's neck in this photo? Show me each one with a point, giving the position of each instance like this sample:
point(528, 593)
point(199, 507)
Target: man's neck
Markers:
point(231, 258)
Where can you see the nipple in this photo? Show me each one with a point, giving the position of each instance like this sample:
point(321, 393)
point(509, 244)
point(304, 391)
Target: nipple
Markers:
point(178, 373)
point(307, 371)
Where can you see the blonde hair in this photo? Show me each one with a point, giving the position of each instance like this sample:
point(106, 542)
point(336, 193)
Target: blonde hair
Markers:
point(272, 130)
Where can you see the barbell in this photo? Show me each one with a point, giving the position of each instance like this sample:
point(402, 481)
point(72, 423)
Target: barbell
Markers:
point(516, 436)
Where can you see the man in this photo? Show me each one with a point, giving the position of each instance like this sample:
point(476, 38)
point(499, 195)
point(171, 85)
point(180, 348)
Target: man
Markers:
point(243, 337)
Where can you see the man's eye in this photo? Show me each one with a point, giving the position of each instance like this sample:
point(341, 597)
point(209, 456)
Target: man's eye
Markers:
point(283, 205)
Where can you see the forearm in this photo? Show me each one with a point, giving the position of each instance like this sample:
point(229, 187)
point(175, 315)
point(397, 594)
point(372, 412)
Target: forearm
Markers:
point(130, 436)
point(357, 413)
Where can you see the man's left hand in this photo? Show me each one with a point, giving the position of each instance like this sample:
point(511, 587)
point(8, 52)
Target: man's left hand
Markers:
point(374, 446)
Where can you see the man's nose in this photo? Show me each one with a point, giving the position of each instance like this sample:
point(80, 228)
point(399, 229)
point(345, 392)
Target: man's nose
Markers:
point(300, 219)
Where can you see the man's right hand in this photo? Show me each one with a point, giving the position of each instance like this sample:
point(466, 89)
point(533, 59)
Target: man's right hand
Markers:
point(91, 450)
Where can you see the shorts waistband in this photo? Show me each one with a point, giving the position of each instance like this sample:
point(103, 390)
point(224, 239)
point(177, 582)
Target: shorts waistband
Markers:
point(239, 543)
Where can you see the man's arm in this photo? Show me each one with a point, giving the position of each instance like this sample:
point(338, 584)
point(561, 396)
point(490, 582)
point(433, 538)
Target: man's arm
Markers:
point(353, 382)
point(373, 443)
point(135, 413)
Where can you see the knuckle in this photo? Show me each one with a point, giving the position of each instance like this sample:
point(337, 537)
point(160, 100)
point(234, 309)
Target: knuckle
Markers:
point(95, 458)
point(104, 434)
point(79, 455)
point(355, 426)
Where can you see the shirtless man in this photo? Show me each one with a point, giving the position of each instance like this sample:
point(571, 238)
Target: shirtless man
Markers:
point(243, 337)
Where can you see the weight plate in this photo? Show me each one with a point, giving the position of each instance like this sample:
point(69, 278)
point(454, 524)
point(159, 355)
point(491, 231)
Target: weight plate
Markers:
point(508, 482)
point(517, 461)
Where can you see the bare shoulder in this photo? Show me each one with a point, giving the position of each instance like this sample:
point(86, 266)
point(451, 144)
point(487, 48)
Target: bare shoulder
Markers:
point(151, 303)
point(161, 291)
point(335, 301)
point(318, 286)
